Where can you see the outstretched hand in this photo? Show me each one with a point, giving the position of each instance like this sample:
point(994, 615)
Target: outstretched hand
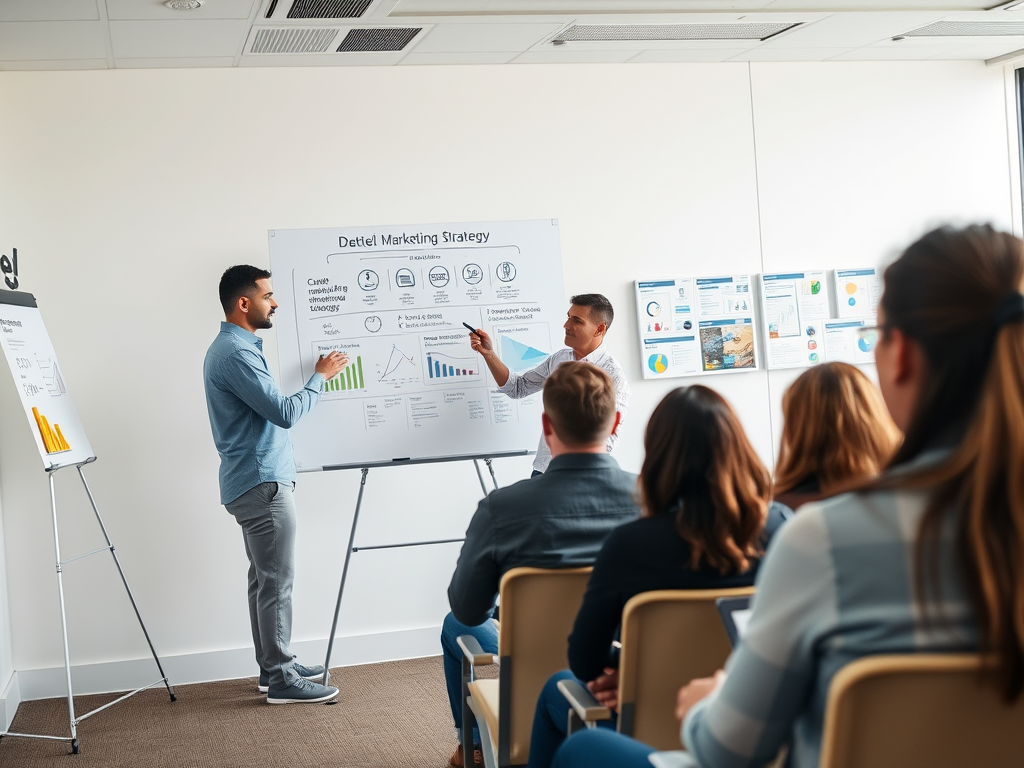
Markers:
point(331, 364)
point(480, 342)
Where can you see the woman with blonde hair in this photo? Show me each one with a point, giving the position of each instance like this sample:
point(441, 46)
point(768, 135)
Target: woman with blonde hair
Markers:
point(927, 558)
point(835, 432)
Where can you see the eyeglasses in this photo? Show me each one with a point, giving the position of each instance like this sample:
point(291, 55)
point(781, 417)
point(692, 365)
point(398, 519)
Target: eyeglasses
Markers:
point(868, 335)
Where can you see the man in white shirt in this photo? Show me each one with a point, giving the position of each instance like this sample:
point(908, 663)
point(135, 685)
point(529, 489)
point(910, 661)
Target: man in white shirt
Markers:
point(589, 319)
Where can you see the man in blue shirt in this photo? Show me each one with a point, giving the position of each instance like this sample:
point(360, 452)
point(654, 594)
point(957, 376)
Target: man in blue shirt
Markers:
point(250, 420)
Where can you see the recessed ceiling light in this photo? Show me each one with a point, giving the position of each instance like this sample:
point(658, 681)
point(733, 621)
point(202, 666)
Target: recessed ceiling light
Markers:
point(183, 5)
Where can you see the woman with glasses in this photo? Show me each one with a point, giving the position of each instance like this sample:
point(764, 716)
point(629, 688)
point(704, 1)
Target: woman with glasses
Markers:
point(929, 557)
point(835, 432)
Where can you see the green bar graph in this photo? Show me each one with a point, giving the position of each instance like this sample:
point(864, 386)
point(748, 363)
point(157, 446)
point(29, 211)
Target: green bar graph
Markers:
point(349, 379)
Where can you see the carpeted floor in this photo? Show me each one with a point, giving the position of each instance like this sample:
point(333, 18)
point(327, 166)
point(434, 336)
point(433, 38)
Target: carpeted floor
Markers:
point(389, 715)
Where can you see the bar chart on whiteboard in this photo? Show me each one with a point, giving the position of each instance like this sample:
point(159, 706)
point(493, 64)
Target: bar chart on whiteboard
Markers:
point(396, 300)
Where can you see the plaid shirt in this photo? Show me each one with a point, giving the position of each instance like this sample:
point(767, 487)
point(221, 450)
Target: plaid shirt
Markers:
point(836, 584)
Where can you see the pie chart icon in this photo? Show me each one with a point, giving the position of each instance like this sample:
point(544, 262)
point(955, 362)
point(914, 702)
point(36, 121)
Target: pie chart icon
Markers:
point(657, 363)
point(653, 309)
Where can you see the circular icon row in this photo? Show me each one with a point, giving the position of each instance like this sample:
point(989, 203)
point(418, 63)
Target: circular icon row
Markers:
point(438, 276)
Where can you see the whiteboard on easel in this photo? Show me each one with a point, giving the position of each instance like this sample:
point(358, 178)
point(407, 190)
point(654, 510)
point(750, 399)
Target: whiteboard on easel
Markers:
point(394, 299)
point(42, 388)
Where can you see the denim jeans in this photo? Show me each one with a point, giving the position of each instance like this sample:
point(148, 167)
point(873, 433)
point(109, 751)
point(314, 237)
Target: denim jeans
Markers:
point(266, 514)
point(594, 748)
point(551, 721)
point(486, 634)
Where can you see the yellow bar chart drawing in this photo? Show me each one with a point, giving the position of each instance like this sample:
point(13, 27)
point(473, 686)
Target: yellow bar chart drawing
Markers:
point(52, 437)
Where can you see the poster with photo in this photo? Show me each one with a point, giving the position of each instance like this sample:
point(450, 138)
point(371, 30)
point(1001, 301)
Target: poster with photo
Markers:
point(692, 326)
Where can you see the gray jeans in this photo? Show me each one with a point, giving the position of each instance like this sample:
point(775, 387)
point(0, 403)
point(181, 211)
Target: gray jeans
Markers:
point(267, 516)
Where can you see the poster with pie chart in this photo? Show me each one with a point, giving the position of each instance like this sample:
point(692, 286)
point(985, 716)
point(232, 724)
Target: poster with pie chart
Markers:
point(857, 292)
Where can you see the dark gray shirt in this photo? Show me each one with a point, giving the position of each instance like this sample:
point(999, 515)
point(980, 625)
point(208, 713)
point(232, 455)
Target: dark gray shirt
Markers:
point(555, 520)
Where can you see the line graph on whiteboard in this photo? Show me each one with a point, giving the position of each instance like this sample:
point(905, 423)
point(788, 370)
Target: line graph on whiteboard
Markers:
point(393, 372)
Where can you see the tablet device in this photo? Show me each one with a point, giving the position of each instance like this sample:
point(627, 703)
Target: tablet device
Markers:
point(735, 613)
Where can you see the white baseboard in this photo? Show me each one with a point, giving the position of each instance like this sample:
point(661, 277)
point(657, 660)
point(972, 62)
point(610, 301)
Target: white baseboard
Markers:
point(206, 666)
point(9, 701)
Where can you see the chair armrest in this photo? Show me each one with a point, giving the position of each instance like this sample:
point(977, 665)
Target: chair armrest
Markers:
point(583, 702)
point(472, 651)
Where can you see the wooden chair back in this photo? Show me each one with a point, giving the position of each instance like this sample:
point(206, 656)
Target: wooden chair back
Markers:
point(669, 637)
point(538, 608)
point(920, 711)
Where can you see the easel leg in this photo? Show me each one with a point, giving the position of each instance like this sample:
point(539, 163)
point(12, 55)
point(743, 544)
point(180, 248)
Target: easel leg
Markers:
point(490, 467)
point(124, 581)
point(344, 574)
point(63, 619)
point(480, 476)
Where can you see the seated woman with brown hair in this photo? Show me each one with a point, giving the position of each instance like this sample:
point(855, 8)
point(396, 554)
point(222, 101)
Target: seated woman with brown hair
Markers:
point(835, 431)
point(705, 521)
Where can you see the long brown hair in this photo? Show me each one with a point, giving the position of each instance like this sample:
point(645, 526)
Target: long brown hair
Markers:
point(946, 293)
point(700, 467)
point(836, 430)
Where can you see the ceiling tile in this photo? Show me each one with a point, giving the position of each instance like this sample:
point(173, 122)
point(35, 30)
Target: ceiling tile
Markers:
point(851, 30)
point(196, 63)
point(484, 37)
point(176, 39)
point(48, 10)
point(681, 55)
point(54, 40)
point(54, 64)
point(984, 49)
point(383, 59)
point(893, 53)
point(416, 57)
point(789, 54)
point(133, 10)
point(574, 56)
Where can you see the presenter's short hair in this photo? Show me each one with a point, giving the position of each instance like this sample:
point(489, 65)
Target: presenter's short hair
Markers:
point(237, 281)
point(579, 400)
point(600, 308)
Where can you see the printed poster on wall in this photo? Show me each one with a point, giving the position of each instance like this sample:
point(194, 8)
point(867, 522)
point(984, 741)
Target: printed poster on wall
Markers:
point(844, 344)
point(857, 292)
point(691, 326)
point(793, 305)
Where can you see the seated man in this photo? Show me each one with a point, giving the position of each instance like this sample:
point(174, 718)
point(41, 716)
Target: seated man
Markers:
point(555, 520)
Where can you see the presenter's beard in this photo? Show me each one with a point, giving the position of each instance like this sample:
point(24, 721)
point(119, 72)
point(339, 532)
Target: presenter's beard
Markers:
point(268, 321)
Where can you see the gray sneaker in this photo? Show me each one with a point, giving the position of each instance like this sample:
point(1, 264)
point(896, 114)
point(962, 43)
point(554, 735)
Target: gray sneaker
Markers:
point(316, 672)
point(301, 692)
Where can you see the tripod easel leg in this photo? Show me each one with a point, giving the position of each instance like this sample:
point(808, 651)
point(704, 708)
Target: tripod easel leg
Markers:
point(63, 619)
point(344, 574)
point(131, 597)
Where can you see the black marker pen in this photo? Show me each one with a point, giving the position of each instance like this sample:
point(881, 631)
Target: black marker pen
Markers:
point(471, 328)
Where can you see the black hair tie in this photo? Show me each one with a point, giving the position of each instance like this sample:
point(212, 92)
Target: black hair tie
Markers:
point(1009, 310)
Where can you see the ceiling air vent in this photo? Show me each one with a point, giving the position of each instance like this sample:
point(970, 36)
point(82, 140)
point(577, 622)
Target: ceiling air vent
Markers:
point(969, 29)
point(293, 40)
point(386, 39)
point(644, 32)
point(328, 9)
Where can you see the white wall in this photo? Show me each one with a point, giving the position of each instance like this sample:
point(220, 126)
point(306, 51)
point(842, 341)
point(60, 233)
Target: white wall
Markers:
point(128, 192)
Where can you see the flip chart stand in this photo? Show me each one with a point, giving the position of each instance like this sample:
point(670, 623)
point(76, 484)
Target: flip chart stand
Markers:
point(352, 537)
point(74, 721)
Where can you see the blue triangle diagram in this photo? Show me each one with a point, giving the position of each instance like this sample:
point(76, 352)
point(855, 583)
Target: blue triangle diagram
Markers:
point(518, 356)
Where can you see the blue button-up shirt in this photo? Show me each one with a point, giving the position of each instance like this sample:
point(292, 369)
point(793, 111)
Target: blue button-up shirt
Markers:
point(249, 416)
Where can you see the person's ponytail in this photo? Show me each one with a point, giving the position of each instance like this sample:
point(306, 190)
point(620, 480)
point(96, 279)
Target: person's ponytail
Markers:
point(988, 470)
point(956, 293)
